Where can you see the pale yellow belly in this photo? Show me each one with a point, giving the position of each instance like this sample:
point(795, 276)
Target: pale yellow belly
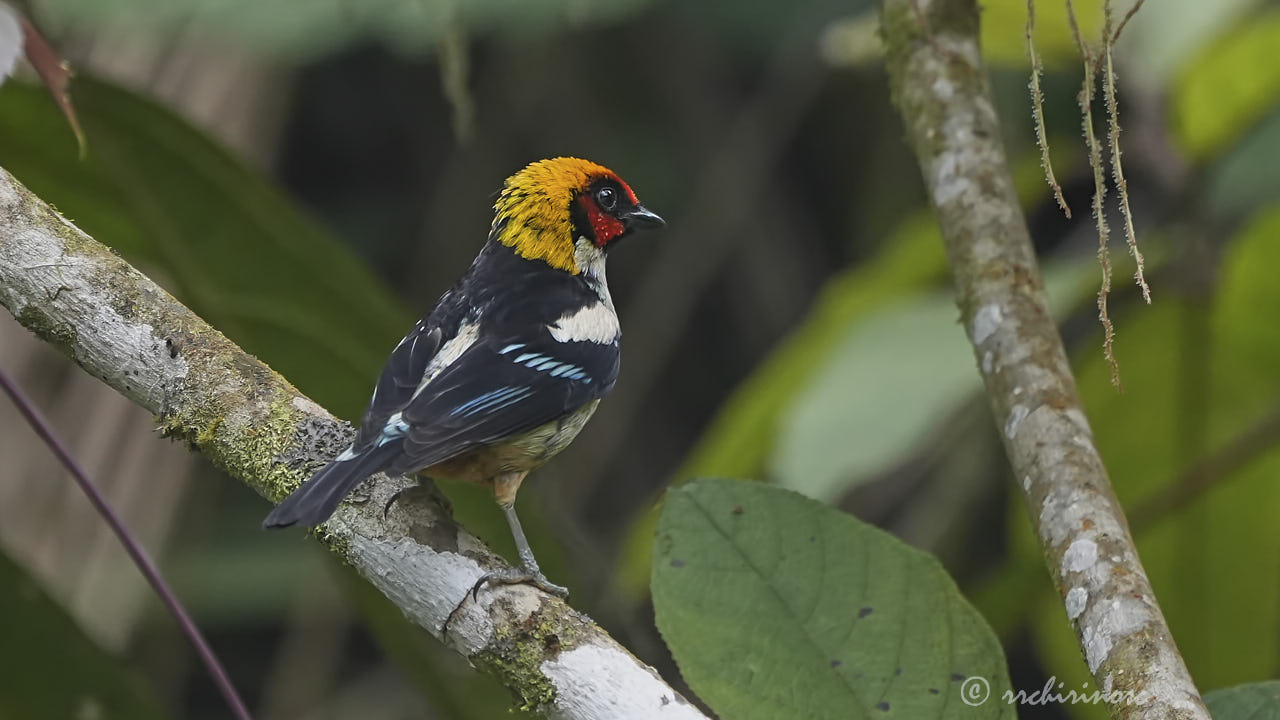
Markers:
point(517, 455)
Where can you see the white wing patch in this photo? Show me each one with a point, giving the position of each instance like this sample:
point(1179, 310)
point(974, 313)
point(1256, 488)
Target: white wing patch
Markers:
point(466, 337)
point(595, 323)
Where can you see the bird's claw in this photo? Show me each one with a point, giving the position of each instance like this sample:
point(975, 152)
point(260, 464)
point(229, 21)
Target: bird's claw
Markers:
point(519, 576)
point(386, 509)
point(510, 576)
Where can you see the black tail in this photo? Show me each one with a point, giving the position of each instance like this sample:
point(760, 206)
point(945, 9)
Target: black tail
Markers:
point(316, 499)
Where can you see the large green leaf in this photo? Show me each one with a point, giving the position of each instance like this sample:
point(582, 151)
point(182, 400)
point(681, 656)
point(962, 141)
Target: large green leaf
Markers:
point(218, 236)
point(775, 605)
point(1257, 701)
point(49, 669)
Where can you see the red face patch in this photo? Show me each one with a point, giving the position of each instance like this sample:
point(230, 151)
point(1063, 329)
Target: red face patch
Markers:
point(606, 227)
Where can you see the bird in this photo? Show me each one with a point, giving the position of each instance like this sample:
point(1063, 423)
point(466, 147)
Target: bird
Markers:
point(511, 363)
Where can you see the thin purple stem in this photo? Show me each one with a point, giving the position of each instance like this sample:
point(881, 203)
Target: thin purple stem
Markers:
point(140, 557)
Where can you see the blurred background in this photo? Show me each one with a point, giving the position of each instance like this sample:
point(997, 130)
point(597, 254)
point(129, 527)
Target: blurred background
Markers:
point(309, 176)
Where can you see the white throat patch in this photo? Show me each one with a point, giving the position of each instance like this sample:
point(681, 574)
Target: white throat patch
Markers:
point(597, 322)
point(590, 260)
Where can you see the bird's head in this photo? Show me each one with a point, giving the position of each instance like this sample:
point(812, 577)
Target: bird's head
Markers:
point(567, 212)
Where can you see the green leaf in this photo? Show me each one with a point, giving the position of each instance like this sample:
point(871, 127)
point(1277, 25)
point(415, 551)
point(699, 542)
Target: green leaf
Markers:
point(214, 233)
point(49, 669)
point(1257, 701)
point(775, 605)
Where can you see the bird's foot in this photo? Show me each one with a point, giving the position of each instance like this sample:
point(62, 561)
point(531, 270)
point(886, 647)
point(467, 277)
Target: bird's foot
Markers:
point(520, 576)
point(510, 576)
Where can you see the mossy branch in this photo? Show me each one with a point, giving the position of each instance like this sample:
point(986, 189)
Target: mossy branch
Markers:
point(943, 94)
point(124, 329)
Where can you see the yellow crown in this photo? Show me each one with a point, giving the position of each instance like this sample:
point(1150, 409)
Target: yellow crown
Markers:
point(535, 205)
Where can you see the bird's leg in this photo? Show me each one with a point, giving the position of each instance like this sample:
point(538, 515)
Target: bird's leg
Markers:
point(528, 572)
point(504, 491)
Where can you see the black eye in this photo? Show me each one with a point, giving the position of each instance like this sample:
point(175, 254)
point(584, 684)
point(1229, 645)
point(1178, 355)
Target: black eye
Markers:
point(606, 198)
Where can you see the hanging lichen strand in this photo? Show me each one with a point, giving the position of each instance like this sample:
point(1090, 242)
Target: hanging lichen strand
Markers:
point(1113, 140)
point(1094, 63)
point(1099, 196)
point(1037, 111)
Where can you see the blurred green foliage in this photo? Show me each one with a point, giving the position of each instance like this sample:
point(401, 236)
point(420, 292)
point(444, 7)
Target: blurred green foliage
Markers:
point(1004, 28)
point(217, 235)
point(306, 28)
point(856, 389)
point(739, 441)
point(1228, 86)
point(1245, 178)
point(899, 374)
point(49, 669)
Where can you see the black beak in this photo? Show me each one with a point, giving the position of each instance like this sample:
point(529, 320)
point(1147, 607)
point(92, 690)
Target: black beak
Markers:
point(639, 217)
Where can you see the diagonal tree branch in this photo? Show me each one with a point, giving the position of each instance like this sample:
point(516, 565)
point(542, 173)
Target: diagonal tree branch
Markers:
point(124, 329)
point(941, 89)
